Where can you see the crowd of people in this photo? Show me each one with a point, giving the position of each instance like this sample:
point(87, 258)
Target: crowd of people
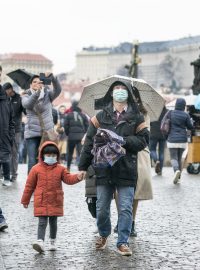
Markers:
point(114, 143)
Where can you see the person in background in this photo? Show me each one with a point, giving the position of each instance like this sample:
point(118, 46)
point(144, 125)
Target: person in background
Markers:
point(62, 144)
point(180, 122)
point(75, 125)
point(15, 100)
point(38, 104)
point(22, 145)
point(3, 224)
point(48, 198)
point(7, 134)
point(157, 144)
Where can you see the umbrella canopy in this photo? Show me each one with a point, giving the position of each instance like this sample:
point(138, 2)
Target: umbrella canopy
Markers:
point(152, 100)
point(21, 77)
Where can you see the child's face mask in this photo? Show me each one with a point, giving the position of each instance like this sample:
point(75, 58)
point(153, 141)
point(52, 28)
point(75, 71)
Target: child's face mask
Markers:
point(50, 160)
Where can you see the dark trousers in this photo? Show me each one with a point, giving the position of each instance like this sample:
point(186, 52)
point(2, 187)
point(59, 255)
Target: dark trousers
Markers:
point(154, 143)
point(6, 169)
point(176, 158)
point(32, 151)
point(15, 154)
point(70, 150)
point(2, 219)
point(42, 225)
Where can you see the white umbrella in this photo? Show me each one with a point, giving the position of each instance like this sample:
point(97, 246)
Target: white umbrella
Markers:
point(152, 100)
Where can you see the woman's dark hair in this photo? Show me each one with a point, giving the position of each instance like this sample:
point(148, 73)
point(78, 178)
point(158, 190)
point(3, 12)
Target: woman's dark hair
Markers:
point(33, 77)
point(50, 149)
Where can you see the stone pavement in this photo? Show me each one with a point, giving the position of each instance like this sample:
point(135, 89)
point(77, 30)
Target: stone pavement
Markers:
point(168, 230)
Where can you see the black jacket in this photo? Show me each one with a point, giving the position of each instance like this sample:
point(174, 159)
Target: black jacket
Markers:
point(75, 125)
point(17, 110)
point(124, 171)
point(7, 126)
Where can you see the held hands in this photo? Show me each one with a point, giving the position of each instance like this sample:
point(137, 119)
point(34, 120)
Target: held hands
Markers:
point(81, 175)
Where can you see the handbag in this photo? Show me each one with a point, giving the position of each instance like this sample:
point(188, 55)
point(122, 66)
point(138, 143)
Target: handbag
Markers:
point(47, 135)
point(166, 124)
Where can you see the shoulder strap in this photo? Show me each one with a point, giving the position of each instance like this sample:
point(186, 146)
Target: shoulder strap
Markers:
point(40, 119)
point(95, 122)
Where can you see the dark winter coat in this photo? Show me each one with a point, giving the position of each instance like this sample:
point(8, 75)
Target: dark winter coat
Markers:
point(155, 132)
point(180, 122)
point(7, 126)
point(17, 109)
point(46, 183)
point(124, 171)
point(75, 125)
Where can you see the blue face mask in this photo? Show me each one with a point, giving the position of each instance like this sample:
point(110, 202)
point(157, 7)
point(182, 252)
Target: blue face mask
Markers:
point(50, 160)
point(120, 95)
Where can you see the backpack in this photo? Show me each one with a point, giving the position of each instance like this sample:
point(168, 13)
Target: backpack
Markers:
point(166, 124)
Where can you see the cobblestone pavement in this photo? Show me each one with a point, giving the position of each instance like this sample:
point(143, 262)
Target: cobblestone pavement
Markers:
point(168, 230)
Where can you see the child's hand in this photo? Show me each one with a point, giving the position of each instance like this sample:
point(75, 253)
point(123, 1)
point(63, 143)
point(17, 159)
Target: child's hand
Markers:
point(25, 205)
point(81, 175)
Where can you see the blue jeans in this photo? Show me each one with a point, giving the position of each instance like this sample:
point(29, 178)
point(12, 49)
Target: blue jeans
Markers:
point(125, 217)
point(153, 150)
point(2, 219)
point(32, 151)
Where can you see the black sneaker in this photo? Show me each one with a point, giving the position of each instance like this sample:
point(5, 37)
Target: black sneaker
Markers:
point(3, 226)
point(157, 167)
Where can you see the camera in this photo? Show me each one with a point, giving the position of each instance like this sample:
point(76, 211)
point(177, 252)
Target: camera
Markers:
point(46, 80)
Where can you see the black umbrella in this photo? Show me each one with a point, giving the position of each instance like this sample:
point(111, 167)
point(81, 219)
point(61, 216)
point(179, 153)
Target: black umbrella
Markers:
point(21, 77)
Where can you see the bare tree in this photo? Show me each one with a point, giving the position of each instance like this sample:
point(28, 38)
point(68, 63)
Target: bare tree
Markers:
point(171, 69)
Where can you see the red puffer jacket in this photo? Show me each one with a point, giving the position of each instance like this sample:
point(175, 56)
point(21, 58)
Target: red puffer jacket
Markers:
point(46, 183)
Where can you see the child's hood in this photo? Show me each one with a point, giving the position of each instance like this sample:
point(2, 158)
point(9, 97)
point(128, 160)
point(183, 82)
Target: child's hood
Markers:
point(44, 145)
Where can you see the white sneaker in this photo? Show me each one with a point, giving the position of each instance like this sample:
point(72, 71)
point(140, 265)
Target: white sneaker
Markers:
point(39, 246)
point(52, 245)
point(177, 175)
point(6, 183)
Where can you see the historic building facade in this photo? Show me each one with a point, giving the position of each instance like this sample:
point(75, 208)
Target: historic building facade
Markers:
point(164, 62)
point(33, 63)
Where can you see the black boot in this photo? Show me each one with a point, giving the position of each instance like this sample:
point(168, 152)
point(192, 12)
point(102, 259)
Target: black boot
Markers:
point(133, 232)
point(116, 229)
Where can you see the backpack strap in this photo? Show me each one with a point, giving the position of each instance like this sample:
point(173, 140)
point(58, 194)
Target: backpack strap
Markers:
point(95, 122)
point(141, 127)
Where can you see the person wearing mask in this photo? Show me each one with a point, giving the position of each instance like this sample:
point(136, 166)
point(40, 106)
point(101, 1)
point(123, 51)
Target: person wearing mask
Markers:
point(7, 134)
point(15, 100)
point(48, 198)
point(180, 122)
point(119, 113)
point(38, 104)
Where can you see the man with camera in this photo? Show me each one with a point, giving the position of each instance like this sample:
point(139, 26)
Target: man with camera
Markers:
point(37, 101)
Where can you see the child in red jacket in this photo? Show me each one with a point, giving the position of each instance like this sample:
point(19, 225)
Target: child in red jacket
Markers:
point(45, 180)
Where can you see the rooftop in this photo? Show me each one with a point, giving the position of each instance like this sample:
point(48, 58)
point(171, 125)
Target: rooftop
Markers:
point(24, 57)
point(146, 47)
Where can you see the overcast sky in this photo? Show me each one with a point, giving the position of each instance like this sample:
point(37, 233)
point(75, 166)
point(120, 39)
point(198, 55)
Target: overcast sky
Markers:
point(59, 29)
